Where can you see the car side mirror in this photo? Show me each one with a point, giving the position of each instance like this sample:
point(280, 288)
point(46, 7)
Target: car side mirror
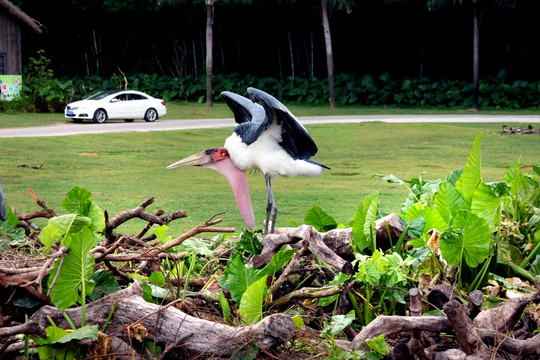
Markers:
point(114, 100)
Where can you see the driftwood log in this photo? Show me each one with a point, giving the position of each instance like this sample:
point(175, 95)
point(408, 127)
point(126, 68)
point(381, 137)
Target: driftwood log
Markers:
point(164, 325)
point(474, 342)
point(333, 247)
point(518, 130)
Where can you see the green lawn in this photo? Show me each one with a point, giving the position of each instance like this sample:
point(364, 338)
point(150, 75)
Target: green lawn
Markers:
point(124, 169)
point(182, 110)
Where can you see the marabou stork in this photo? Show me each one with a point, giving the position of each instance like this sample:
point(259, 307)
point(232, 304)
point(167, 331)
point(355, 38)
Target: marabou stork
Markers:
point(3, 209)
point(267, 138)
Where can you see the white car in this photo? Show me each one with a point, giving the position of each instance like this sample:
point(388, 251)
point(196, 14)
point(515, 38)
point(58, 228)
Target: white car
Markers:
point(116, 104)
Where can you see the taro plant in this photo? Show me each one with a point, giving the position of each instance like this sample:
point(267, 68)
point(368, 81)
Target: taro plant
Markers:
point(9, 233)
point(383, 277)
point(248, 286)
point(70, 279)
point(472, 218)
point(459, 222)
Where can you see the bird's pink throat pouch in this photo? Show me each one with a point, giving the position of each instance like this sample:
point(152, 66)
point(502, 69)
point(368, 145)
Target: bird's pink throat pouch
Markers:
point(238, 180)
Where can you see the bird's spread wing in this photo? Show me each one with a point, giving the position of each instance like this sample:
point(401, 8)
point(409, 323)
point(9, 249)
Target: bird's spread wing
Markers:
point(295, 139)
point(250, 116)
point(244, 110)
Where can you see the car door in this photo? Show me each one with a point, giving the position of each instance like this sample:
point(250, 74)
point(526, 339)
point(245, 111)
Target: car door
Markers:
point(119, 107)
point(137, 105)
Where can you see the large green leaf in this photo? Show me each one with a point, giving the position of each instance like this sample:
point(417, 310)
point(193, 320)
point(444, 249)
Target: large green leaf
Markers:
point(487, 205)
point(250, 308)
point(472, 175)
point(85, 332)
point(76, 270)
point(49, 235)
point(378, 344)
point(240, 277)
point(64, 225)
point(447, 201)
point(9, 231)
point(279, 259)
point(515, 179)
point(432, 221)
point(75, 199)
point(249, 242)
point(372, 269)
point(339, 323)
point(363, 221)
point(470, 240)
point(320, 220)
point(80, 201)
point(105, 284)
point(95, 213)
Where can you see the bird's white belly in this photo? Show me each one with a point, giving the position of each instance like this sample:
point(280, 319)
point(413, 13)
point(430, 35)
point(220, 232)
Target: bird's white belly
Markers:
point(267, 156)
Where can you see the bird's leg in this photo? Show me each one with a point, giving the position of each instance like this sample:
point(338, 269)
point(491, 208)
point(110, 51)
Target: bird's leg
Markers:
point(271, 208)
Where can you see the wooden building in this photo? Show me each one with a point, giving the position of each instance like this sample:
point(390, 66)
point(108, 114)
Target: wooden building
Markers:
point(12, 19)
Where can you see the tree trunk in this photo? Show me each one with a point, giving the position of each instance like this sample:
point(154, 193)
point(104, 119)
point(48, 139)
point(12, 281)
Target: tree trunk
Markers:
point(329, 54)
point(209, 50)
point(476, 55)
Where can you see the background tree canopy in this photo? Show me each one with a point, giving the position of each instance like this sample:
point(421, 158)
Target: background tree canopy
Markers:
point(407, 38)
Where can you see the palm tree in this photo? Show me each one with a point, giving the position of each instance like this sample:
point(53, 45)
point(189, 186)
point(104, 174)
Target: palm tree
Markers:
point(209, 50)
point(439, 4)
point(329, 54)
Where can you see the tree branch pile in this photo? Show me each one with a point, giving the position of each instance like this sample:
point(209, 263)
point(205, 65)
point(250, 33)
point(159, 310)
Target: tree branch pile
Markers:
point(518, 130)
point(193, 324)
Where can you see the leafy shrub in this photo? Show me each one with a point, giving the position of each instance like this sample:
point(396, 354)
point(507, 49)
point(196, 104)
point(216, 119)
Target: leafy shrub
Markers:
point(43, 93)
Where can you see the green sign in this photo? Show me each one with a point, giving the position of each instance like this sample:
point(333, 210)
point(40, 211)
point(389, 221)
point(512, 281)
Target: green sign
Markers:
point(10, 86)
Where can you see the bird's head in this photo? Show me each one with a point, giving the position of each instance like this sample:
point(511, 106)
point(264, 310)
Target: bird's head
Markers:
point(218, 159)
point(205, 158)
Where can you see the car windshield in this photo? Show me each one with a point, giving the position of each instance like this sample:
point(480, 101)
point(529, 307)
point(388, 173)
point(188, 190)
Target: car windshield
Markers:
point(102, 94)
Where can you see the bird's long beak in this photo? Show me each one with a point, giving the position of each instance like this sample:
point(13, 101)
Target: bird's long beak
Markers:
point(199, 159)
point(237, 179)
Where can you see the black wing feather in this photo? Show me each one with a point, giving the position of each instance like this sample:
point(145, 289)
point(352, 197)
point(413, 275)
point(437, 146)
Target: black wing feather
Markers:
point(3, 209)
point(296, 141)
point(250, 116)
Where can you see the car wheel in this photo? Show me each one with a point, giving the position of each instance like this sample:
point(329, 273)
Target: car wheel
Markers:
point(100, 116)
point(150, 115)
point(128, 120)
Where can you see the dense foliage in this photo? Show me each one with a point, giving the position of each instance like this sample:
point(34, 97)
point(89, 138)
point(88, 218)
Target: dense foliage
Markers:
point(51, 95)
point(406, 38)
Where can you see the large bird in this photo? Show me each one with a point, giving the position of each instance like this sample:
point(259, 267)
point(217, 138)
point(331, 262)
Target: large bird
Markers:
point(3, 209)
point(267, 138)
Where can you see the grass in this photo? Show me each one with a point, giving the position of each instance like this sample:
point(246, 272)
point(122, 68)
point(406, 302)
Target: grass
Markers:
point(124, 169)
point(182, 110)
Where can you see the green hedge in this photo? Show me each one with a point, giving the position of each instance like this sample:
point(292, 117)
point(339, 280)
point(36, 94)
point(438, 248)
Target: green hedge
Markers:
point(350, 90)
point(53, 94)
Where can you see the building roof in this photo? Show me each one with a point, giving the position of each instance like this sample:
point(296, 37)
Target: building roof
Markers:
point(21, 15)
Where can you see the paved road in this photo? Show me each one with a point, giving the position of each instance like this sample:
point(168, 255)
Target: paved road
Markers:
point(163, 125)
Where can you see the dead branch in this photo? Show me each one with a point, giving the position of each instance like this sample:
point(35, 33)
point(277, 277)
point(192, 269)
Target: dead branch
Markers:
point(308, 293)
point(292, 265)
point(503, 318)
point(164, 325)
point(44, 213)
point(470, 341)
point(40, 167)
point(525, 348)
point(307, 235)
point(138, 212)
point(518, 130)
point(38, 200)
point(416, 345)
point(387, 325)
